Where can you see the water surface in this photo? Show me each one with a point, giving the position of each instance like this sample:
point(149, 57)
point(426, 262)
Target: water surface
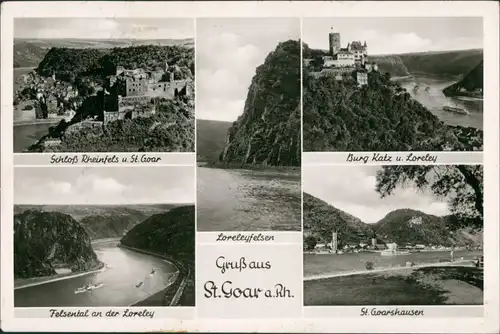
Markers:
point(124, 269)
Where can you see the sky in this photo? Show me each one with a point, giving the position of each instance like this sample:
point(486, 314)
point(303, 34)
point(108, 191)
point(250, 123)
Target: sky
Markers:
point(398, 35)
point(104, 28)
point(104, 185)
point(227, 54)
point(352, 189)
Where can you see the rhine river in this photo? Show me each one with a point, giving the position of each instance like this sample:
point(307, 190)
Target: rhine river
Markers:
point(434, 100)
point(322, 264)
point(27, 135)
point(125, 268)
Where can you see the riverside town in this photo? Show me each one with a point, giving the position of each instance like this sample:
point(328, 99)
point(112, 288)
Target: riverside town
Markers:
point(245, 238)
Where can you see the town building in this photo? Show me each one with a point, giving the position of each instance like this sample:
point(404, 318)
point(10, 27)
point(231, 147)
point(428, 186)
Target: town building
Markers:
point(334, 242)
point(362, 78)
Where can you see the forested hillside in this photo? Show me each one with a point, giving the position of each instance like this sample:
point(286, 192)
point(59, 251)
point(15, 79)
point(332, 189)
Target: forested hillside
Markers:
point(381, 116)
point(321, 219)
point(470, 85)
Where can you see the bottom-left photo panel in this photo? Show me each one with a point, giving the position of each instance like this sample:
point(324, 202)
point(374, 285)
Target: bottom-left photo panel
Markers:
point(104, 236)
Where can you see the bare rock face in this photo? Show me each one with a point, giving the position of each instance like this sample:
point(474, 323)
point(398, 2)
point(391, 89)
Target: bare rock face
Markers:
point(45, 241)
point(268, 131)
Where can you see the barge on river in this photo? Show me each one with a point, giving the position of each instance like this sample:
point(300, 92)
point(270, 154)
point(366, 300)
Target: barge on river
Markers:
point(456, 110)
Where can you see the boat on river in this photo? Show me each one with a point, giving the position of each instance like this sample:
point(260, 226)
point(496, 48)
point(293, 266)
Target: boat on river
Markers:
point(392, 252)
point(139, 284)
point(456, 110)
point(89, 287)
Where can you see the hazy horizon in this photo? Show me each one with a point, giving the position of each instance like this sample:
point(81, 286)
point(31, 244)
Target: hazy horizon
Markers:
point(104, 28)
point(352, 190)
point(104, 185)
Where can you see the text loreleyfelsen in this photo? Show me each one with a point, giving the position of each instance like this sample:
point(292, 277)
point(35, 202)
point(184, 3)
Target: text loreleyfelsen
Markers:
point(245, 238)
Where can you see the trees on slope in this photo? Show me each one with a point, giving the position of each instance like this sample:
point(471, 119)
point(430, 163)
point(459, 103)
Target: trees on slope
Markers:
point(461, 185)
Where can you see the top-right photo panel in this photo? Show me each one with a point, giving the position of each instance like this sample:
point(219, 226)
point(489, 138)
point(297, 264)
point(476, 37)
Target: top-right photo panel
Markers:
point(393, 84)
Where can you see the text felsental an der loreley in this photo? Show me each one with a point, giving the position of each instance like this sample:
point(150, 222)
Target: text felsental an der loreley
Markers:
point(127, 313)
point(229, 290)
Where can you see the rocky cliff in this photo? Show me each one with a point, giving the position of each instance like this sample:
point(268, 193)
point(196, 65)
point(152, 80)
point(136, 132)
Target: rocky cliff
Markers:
point(268, 131)
point(46, 241)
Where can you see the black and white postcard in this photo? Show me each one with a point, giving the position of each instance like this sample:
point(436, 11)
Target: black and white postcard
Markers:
point(393, 84)
point(103, 85)
point(250, 166)
point(248, 124)
point(104, 237)
point(402, 235)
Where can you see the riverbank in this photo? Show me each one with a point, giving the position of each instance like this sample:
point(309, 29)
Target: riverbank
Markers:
point(29, 282)
point(329, 265)
point(266, 168)
point(450, 284)
point(167, 296)
point(37, 121)
point(387, 269)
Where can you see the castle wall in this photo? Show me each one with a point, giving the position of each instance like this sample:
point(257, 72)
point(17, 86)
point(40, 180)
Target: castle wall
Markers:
point(328, 62)
point(110, 116)
point(166, 89)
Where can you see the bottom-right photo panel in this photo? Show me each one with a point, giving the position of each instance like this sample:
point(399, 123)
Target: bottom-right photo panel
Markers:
point(393, 235)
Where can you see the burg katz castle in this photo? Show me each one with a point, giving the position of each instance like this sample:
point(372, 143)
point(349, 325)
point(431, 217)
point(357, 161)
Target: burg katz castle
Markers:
point(339, 61)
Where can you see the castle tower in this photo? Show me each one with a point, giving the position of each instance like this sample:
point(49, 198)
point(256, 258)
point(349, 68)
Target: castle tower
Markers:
point(334, 242)
point(374, 242)
point(172, 76)
point(334, 42)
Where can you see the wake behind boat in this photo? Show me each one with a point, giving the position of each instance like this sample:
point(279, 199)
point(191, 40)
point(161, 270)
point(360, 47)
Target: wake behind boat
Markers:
point(456, 110)
point(89, 287)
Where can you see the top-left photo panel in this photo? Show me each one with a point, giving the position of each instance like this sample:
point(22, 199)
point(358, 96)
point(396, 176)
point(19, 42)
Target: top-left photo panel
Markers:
point(104, 85)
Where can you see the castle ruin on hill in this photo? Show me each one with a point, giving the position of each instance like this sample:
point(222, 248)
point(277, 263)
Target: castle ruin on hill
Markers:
point(132, 93)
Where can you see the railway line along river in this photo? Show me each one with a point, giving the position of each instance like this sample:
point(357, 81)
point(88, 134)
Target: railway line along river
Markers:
point(124, 269)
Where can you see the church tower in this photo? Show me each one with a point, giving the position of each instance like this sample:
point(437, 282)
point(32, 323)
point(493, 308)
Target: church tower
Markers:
point(166, 67)
point(334, 42)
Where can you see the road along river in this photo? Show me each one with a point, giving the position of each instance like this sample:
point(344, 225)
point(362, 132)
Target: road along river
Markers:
point(124, 269)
